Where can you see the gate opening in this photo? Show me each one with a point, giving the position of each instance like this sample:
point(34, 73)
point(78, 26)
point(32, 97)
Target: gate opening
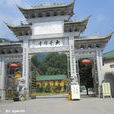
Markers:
point(86, 78)
point(14, 72)
point(49, 73)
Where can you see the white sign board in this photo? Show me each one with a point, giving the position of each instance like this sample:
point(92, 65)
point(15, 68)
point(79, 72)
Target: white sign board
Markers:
point(48, 28)
point(106, 89)
point(75, 91)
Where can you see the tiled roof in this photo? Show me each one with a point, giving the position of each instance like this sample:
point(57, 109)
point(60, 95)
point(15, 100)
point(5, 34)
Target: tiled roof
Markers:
point(51, 77)
point(108, 36)
point(47, 7)
point(108, 55)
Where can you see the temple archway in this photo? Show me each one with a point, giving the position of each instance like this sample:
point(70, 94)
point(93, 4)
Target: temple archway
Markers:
point(58, 33)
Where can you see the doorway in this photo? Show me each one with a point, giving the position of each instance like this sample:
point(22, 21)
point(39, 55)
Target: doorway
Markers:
point(86, 78)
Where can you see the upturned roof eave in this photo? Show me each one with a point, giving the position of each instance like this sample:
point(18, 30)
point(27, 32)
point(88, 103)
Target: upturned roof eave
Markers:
point(13, 28)
point(95, 37)
point(47, 7)
point(9, 44)
point(83, 21)
point(16, 27)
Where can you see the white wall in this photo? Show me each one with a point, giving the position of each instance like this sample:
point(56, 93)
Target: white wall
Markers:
point(107, 65)
point(109, 73)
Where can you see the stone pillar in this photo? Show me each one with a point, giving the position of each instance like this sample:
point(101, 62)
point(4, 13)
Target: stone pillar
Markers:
point(68, 64)
point(2, 78)
point(72, 58)
point(99, 70)
point(26, 66)
point(77, 70)
point(100, 67)
point(95, 76)
point(75, 89)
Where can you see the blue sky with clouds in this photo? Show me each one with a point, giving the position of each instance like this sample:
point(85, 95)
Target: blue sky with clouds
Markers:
point(101, 21)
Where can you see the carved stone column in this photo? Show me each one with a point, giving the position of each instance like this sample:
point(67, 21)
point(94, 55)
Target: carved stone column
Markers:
point(99, 69)
point(75, 89)
point(2, 77)
point(72, 60)
point(26, 66)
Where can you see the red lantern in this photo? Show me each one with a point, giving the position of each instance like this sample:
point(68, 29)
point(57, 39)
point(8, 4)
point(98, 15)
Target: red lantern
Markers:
point(13, 65)
point(86, 61)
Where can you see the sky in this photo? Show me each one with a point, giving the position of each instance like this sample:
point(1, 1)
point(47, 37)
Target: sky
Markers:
point(100, 23)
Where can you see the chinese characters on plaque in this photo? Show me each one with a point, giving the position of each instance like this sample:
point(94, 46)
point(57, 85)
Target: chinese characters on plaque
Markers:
point(46, 43)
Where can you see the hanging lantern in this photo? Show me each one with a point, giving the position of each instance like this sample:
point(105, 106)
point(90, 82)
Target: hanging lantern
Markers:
point(86, 61)
point(13, 65)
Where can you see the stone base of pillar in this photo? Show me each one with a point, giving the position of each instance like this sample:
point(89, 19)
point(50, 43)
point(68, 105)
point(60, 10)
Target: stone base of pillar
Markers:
point(27, 96)
point(96, 89)
point(24, 94)
point(2, 94)
point(99, 92)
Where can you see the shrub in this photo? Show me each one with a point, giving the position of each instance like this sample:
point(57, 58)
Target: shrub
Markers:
point(47, 89)
point(56, 88)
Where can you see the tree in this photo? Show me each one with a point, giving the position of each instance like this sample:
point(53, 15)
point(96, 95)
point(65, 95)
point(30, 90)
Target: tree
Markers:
point(54, 63)
point(36, 64)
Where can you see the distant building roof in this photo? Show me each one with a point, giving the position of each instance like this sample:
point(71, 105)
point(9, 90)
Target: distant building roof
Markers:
point(108, 55)
point(3, 40)
point(51, 77)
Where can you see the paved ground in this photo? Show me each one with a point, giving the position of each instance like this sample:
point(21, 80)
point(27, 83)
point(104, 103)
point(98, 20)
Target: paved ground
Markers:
point(59, 105)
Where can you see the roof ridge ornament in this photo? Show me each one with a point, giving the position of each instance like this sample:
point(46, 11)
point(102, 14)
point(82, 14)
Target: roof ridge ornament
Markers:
point(47, 4)
point(87, 18)
point(8, 25)
point(110, 34)
point(39, 5)
point(55, 3)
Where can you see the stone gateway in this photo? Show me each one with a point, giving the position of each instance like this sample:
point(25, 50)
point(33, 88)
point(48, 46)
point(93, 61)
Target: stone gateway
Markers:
point(50, 29)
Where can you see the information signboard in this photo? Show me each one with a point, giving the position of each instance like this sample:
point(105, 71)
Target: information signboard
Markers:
point(75, 92)
point(106, 89)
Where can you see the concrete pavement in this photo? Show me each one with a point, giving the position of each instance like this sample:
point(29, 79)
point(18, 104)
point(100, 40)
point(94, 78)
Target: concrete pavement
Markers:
point(59, 105)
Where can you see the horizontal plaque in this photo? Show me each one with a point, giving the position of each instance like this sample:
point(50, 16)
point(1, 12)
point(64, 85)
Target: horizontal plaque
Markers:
point(48, 28)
